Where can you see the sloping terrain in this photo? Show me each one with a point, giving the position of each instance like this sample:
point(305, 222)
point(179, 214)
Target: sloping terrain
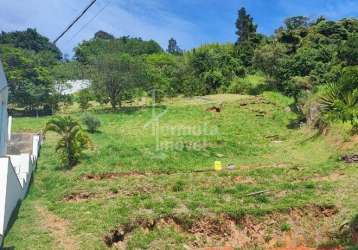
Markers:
point(149, 181)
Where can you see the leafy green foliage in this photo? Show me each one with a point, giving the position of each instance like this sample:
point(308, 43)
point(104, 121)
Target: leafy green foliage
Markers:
point(163, 72)
point(99, 47)
point(296, 22)
point(92, 123)
point(213, 66)
point(349, 51)
point(116, 77)
point(340, 103)
point(30, 39)
point(72, 140)
point(270, 59)
point(30, 83)
point(84, 97)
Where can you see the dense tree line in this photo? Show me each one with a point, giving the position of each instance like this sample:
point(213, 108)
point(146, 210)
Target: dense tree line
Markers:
point(303, 59)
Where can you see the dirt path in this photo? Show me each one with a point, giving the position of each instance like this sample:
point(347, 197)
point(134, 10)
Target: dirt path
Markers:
point(58, 228)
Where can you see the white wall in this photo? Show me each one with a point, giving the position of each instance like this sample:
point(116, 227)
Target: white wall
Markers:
point(15, 177)
point(3, 111)
point(10, 193)
point(3, 121)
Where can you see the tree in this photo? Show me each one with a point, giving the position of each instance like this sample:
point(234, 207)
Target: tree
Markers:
point(213, 66)
point(122, 45)
point(162, 72)
point(30, 39)
point(270, 58)
point(246, 29)
point(30, 83)
point(115, 78)
point(72, 140)
point(296, 22)
point(84, 97)
point(173, 47)
point(349, 51)
point(103, 35)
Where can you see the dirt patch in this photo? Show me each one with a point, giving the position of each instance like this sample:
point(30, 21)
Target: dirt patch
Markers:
point(58, 228)
point(109, 176)
point(261, 165)
point(256, 100)
point(76, 197)
point(244, 180)
point(307, 226)
point(85, 196)
point(350, 158)
point(214, 109)
point(332, 177)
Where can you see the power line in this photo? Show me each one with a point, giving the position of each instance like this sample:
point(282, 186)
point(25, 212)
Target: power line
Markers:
point(91, 20)
point(74, 21)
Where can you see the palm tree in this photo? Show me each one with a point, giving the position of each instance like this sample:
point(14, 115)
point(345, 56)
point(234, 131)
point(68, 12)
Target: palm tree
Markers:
point(339, 104)
point(72, 142)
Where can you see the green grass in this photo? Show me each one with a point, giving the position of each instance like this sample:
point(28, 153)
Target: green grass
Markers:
point(179, 179)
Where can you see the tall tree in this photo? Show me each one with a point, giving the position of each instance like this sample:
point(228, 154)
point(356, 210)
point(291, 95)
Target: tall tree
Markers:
point(115, 77)
point(246, 28)
point(30, 39)
point(30, 82)
point(173, 47)
point(349, 51)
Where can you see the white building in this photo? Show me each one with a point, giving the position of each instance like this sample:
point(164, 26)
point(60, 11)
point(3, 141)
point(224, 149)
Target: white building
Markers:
point(18, 155)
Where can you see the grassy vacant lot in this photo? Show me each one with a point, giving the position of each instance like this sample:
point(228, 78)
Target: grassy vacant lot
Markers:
point(126, 193)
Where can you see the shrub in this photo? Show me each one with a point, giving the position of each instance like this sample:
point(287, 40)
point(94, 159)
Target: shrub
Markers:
point(239, 86)
point(285, 227)
point(178, 186)
point(84, 97)
point(91, 122)
point(338, 104)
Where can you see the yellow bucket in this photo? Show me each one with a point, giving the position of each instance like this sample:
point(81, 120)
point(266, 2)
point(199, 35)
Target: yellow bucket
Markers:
point(218, 166)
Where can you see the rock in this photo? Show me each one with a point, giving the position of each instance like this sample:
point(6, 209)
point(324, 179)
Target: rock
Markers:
point(231, 166)
point(350, 158)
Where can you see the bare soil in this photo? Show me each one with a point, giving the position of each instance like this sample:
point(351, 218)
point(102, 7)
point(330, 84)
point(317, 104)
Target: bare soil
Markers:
point(309, 226)
point(58, 228)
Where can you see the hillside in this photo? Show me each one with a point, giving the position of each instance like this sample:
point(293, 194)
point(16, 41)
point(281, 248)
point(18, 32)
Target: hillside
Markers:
point(281, 185)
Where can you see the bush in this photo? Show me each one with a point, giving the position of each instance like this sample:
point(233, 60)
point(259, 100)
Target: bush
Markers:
point(253, 84)
point(239, 86)
point(91, 122)
point(72, 141)
point(84, 97)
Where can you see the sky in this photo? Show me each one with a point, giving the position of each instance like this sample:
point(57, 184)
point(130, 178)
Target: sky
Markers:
point(190, 22)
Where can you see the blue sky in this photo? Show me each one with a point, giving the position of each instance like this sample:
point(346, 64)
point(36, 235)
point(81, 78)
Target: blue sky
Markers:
point(191, 22)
